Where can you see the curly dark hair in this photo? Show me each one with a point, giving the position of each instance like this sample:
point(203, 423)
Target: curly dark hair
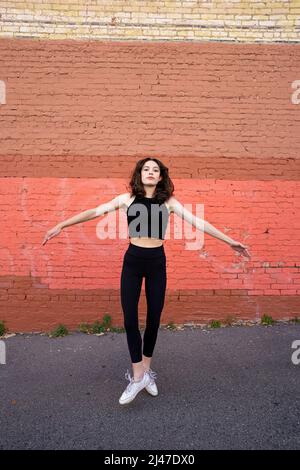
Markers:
point(164, 188)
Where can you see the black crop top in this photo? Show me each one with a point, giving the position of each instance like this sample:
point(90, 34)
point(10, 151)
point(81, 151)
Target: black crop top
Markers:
point(147, 218)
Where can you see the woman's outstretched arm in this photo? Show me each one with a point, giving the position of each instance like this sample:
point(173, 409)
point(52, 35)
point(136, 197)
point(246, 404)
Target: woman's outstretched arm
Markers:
point(205, 226)
point(84, 216)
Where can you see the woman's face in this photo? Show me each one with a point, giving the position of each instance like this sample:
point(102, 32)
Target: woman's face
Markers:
point(150, 173)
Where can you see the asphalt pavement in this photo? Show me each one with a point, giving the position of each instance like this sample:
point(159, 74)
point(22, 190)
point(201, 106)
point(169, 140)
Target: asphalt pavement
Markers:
point(226, 388)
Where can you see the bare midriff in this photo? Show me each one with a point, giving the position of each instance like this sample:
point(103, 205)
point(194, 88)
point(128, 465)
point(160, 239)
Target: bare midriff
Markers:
point(146, 242)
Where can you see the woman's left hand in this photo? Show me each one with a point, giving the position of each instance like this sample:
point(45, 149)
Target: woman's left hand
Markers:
point(240, 248)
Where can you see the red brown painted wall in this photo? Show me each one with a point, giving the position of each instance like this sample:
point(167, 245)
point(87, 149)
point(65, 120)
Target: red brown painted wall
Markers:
point(78, 115)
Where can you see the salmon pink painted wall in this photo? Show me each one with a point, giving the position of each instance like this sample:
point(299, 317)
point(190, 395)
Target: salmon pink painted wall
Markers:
point(79, 115)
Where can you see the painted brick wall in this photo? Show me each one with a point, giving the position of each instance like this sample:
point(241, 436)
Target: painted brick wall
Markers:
point(117, 100)
point(75, 277)
point(77, 115)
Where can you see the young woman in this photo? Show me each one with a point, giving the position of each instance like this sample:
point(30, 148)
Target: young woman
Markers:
point(151, 197)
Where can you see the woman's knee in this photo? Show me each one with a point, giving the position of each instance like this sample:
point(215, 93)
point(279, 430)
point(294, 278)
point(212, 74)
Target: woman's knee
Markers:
point(130, 325)
point(153, 326)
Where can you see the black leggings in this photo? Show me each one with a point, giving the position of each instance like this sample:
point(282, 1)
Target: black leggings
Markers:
point(150, 263)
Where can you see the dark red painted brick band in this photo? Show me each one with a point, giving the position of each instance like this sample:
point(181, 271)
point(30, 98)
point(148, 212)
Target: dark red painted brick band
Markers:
point(27, 308)
point(79, 166)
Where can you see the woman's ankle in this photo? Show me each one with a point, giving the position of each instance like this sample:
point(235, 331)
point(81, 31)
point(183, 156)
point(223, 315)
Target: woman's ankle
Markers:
point(146, 364)
point(138, 371)
point(138, 378)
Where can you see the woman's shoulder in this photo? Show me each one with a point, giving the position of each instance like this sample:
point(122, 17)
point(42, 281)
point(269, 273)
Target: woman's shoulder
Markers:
point(126, 199)
point(170, 203)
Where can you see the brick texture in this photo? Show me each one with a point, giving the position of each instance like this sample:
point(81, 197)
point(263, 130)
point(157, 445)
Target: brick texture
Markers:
point(75, 276)
point(188, 20)
point(202, 107)
point(79, 114)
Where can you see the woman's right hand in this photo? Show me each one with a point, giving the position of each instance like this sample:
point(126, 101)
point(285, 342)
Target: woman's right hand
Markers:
point(52, 233)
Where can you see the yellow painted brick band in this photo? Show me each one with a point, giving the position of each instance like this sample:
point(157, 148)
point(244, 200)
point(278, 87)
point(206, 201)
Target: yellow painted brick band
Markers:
point(230, 21)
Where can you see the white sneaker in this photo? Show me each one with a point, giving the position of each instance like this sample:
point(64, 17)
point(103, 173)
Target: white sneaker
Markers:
point(133, 388)
point(152, 388)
